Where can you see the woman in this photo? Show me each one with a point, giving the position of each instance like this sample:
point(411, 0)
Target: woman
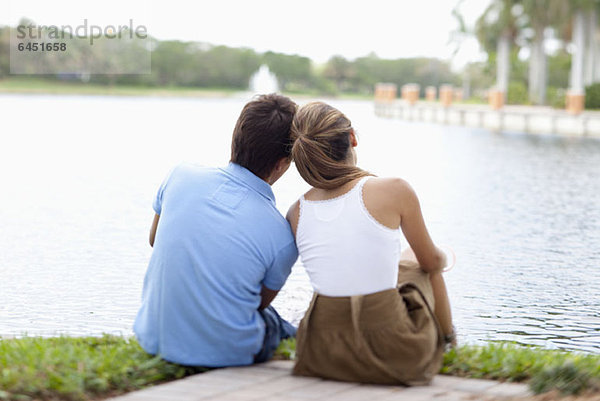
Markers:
point(377, 316)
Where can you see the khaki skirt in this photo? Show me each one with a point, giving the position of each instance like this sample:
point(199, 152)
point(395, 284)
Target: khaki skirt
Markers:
point(389, 337)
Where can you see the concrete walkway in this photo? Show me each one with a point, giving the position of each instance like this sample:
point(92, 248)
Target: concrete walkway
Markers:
point(536, 120)
point(273, 381)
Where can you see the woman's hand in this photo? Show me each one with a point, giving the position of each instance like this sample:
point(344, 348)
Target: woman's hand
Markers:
point(409, 255)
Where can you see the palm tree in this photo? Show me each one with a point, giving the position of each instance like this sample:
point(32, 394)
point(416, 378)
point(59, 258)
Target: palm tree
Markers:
point(541, 15)
point(496, 29)
point(589, 9)
point(457, 39)
point(583, 13)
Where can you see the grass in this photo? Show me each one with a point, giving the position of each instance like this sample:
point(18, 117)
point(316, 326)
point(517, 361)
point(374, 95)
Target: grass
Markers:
point(78, 368)
point(543, 369)
point(90, 368)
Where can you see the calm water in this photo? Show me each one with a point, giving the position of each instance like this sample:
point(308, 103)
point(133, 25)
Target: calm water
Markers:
point(78, 176)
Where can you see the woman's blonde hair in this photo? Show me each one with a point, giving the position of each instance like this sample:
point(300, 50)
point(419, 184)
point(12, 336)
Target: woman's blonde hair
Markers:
point(320, 135)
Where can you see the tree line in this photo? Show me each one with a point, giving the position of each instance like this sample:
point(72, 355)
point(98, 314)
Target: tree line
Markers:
point(193, 64)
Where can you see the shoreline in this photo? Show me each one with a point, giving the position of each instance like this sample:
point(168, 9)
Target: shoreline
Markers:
point(20, 86)
point(91, 368)
point(530, 120)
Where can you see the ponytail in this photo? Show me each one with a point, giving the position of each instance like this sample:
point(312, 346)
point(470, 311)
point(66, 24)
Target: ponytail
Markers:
point(321, 146)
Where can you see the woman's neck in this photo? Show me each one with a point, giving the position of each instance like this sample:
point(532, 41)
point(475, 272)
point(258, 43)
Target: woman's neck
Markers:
point(325, 194)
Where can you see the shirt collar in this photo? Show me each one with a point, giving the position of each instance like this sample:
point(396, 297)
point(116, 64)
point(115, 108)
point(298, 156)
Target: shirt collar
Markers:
point(248, 178)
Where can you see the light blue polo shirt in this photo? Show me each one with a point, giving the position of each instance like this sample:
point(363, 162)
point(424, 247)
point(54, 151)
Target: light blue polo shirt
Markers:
point(219, 239)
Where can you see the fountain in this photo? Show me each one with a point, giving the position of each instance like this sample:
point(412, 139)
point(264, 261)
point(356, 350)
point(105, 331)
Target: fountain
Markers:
point(263, 81)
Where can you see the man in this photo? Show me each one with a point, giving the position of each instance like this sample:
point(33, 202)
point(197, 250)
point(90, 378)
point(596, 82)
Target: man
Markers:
point(222, 250)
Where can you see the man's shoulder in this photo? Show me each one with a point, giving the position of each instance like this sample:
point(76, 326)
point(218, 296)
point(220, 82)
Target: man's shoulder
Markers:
point(263, 216)
point(195, 168)
point(269, 216)
point(188, 172)
point(283, 226)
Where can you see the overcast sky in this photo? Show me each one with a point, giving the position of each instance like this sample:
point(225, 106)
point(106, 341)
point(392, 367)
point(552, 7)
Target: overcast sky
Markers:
point(314, 28)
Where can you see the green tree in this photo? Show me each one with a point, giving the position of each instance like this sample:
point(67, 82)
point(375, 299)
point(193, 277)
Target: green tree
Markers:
point(4, 52)
point(559, 65)
point(293, 72)
point(340, 71)
point(172, 63)
point(423, 71)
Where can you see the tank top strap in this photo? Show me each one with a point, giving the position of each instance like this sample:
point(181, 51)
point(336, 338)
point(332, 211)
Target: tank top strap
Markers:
point(358, 188)
point(362, 181)
point(301, 206)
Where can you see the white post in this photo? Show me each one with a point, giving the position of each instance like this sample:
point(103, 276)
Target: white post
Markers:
point(466, 86)
point(503, 64)
point(590, 47)
point(596, 59)
point(576, 93)
point(537, 69)
point(596, 50)
point(533, 70)
point(576, 78)
point(543, 69)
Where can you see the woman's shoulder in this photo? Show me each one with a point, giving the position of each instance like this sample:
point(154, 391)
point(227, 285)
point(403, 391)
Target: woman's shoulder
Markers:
point(293, 216)
point(294, 210)
point(389, 195)
point(389, 186)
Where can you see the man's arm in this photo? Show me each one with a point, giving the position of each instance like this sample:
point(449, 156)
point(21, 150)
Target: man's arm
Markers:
point(266, 297)
point(277, 273)
point(153, 229)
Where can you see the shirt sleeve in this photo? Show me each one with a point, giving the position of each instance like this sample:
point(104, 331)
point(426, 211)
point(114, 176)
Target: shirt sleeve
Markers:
point(158, 199)
point(281, 267)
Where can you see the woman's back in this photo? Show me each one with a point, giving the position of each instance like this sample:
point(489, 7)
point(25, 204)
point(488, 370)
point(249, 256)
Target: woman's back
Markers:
point(372, 317)
point(345, 250)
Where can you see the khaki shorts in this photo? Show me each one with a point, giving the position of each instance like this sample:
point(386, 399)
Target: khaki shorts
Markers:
point(388, 337)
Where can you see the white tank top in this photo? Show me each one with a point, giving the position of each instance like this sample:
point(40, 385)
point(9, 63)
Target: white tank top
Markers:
point(344, 249)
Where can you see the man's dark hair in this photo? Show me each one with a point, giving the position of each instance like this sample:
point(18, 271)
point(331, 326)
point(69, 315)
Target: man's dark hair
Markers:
point(261, 135)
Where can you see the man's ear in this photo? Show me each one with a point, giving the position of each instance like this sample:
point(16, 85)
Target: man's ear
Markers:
point(353, 141)
point(283, 164)
point(280, 168)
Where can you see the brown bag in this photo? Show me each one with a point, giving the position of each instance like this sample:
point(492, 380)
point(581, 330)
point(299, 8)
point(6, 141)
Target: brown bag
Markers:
point(389, 337)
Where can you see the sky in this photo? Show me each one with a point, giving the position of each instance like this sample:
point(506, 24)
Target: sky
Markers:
point(317, 29)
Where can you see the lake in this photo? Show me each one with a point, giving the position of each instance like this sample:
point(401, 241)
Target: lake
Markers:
point(79, 174)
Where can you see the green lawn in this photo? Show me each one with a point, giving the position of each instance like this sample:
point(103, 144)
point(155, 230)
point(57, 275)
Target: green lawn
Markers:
point(543, 369)
point(88, 368)
point(78, 368)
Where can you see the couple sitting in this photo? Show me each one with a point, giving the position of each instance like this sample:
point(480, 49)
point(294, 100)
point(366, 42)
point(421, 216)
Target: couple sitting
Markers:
point(222, 251)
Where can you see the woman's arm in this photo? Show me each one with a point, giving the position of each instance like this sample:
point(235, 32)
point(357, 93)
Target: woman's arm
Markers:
point(430, 258)
point(293, 215)
point(153, 229)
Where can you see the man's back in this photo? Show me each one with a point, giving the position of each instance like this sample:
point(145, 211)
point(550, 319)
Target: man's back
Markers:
point(220, 238)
